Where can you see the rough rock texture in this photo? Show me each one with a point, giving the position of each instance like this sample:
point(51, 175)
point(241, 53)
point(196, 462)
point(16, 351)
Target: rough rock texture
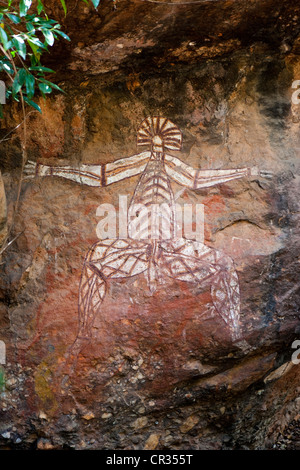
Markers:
point(160, 372)
point(3, 212)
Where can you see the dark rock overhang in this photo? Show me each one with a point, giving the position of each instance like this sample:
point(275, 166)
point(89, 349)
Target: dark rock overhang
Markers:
point(147, 34)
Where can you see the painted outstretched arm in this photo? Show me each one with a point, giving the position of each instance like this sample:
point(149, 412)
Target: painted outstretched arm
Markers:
point(188, 176)
point(92, 175)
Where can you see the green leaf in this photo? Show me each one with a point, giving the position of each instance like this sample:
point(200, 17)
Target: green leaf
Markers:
point(24, 7)
point(30, 28)
point(62, 34)
point(34, 49)
point(64, 6)
point(45, 88)
point(30, 84)
point(6, 66)
point(34, 40)
point(32, 104)
point(48, 37)
point(40, 68)
point(20, 46)
point(40, 7)
point(8, 29)
point(18, 82)
point(15, 19)
point(4, 39)
point(96, 3)
point(52, 85)
point(22, 76)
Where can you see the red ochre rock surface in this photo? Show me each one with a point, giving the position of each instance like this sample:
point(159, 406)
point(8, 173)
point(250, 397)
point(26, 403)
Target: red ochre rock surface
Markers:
point(159, 371)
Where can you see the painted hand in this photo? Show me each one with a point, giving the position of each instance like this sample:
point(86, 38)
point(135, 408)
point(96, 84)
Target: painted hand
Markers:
point(255, 171)
point(266, 174)
point(30, 170)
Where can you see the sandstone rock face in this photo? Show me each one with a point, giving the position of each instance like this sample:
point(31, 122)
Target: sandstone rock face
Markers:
point(3, 213)
point(160, 369)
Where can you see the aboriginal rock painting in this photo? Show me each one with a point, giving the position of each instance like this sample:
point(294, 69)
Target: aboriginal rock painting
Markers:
point(153, 248)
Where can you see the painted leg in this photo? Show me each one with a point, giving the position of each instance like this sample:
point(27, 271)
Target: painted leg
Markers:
point(191, 261)
point(225, 294)
point(92, 291)
point(108, 259)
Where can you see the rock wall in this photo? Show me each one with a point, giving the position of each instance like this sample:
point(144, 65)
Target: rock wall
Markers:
point(161, 370)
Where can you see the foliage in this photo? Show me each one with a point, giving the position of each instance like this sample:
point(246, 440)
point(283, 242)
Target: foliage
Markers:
point(26, 32)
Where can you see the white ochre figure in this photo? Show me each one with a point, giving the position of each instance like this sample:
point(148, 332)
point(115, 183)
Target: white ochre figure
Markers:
point(153, 248)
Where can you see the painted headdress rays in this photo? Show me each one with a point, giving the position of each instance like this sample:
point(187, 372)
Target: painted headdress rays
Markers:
point(153, 128)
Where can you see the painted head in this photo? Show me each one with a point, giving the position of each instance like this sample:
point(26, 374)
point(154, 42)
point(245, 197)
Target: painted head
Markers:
point(160, 133)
